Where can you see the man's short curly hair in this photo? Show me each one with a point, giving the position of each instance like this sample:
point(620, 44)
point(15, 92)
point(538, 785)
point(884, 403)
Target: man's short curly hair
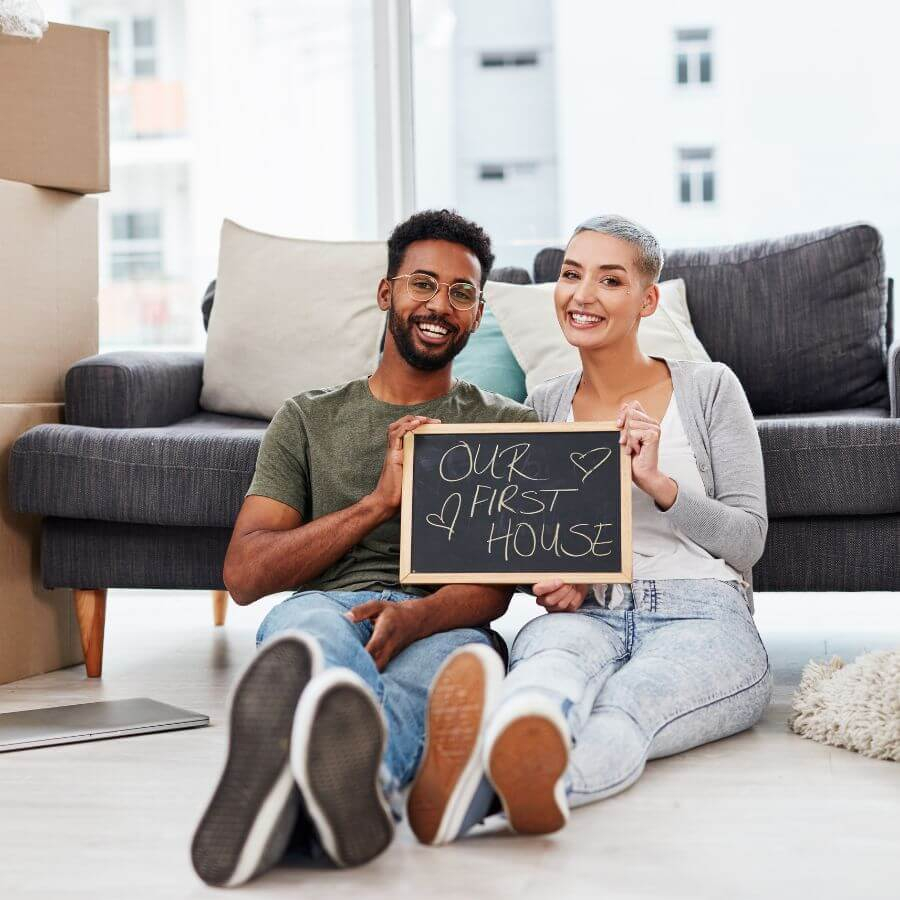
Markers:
point(439, 225)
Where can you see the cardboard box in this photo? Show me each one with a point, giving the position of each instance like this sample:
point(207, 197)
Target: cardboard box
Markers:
point(38, 629)
point(48, 289)
point(54, 109)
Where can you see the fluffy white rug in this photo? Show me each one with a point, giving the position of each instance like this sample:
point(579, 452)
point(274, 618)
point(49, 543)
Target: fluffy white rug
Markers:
point(22, 18)
point(856, 706)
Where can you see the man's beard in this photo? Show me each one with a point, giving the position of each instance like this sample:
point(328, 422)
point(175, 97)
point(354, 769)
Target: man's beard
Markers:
point(405, 342)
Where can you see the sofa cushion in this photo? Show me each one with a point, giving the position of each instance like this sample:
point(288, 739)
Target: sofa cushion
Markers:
point(527, 315)
point(831, 464)
point(800, 319)
point(289, 315)
point(488, 362)
point(195, 472)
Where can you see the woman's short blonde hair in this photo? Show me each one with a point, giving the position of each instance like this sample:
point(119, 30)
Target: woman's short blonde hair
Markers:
point(649, 254)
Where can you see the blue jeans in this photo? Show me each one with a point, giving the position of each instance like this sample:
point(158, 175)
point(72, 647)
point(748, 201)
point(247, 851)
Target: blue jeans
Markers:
point(679, 664)
point(401, 689)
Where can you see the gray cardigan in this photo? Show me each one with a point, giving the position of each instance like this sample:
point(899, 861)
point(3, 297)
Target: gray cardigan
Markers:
point(730, 522)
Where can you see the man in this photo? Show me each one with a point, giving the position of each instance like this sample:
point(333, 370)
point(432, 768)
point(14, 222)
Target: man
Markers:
point(329, 719)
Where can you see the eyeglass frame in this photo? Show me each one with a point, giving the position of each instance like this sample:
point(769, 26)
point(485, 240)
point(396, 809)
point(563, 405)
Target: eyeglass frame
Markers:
point(448, 285)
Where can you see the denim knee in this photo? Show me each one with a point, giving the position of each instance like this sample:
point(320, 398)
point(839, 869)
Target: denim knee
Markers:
point(326, 624)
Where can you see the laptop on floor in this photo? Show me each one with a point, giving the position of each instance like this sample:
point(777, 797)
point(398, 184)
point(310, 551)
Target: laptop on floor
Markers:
point(92, 722)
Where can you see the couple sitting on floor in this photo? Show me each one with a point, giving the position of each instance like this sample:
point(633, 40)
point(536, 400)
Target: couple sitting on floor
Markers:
point(362, 688)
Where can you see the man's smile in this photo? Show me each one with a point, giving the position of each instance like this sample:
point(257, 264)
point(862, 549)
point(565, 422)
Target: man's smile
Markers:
point(434, 332)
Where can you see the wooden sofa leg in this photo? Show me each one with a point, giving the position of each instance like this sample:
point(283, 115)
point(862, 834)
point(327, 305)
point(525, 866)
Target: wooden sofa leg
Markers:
point(90, 608)
point(220, 606)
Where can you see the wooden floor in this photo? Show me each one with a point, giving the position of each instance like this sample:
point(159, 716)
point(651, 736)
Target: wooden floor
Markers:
point(763, 814)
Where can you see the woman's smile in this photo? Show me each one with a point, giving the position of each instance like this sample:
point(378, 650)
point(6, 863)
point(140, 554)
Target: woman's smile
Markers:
point(583, 320)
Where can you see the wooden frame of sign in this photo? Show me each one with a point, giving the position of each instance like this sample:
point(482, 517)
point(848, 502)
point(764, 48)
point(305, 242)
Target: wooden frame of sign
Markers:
point(407, 576)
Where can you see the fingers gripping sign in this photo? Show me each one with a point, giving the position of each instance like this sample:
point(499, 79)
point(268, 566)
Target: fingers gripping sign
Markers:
point(640, 440)
point(557, 596)
point(388, 490)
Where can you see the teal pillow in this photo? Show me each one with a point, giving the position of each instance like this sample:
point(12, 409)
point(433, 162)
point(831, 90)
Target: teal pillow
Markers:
point(488, 362)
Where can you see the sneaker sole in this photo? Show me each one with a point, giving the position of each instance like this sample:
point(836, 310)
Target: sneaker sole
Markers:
point(338, 744)
point(527, 760)
point(451, 767)
point(248, 822)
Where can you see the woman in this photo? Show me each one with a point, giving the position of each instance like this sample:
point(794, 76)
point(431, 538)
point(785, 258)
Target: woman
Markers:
point(621, 674)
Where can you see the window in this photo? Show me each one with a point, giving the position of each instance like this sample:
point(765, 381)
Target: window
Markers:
point(502, 60)
point(136, 246)
point(144, 39)
point(693, 56)
point(199, 134)
point(485, 118)
point(696, 176)
point(492, 173)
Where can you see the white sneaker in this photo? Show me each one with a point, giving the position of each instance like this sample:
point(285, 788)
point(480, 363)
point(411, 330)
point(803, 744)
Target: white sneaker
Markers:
point(526, 755)
point(337, 745)
point(450, 793)
point(250, 819)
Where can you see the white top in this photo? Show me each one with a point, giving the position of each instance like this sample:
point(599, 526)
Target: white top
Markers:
point(660, 549)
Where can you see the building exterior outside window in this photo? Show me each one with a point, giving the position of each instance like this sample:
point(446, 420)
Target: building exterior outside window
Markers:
point(136, 246)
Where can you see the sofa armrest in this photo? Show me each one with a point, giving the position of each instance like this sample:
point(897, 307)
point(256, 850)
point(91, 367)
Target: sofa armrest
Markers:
point(133, 389)
point(893, 367)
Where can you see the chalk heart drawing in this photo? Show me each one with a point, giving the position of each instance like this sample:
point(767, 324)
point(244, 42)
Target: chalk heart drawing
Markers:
point(439, 521)
point(587, 463)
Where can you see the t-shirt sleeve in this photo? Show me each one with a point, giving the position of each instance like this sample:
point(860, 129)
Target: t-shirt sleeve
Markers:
point(520, 413)
point(282, 467)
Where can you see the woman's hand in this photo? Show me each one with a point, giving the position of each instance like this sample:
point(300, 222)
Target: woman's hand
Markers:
point(557, 596)
point(640, 440)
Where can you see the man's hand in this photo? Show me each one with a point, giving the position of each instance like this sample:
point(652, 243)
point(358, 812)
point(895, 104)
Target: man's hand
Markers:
point(387, 492)
point(557, 596)
point(397, 625)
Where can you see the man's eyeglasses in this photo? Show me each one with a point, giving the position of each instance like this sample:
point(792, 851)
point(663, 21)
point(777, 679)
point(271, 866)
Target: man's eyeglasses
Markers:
point(422, 287)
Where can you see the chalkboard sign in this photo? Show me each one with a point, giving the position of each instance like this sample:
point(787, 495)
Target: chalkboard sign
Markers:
point(515, 504)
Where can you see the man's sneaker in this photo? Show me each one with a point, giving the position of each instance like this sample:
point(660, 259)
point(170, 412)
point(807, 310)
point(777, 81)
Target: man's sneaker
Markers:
point(450, 792)
point(336, 749)
point(253, 810)
point(526, 756)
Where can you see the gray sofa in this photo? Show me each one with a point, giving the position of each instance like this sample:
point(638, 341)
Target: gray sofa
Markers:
point(141, 487)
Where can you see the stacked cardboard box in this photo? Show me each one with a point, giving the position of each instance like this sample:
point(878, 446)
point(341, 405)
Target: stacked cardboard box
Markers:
point(54, 133)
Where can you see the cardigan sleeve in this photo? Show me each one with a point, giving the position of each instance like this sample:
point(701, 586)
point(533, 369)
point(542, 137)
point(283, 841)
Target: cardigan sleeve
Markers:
point(733, 524)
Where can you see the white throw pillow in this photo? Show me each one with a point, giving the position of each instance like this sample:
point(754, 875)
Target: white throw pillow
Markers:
point(289, 315)
point(527, 317)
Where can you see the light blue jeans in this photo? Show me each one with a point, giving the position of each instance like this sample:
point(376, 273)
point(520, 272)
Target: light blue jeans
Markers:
point(401, 689)
point(679, 664)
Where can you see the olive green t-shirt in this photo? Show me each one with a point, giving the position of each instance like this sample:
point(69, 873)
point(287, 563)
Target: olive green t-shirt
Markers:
point(324, 451)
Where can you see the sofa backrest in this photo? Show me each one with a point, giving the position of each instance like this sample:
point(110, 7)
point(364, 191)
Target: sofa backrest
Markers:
point(800, 319)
